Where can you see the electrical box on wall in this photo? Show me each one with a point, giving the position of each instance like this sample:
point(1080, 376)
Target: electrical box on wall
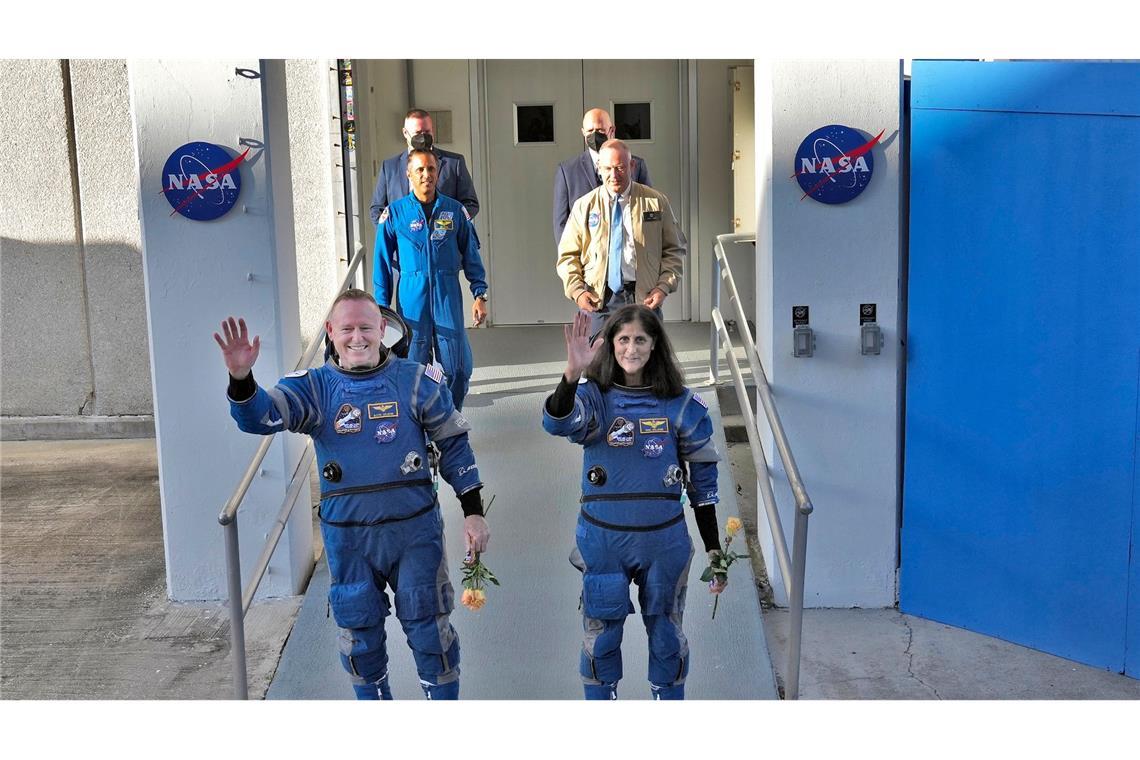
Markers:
point(803, 340)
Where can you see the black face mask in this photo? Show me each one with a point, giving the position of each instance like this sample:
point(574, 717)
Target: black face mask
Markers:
point(422, 141)
point(596, 139)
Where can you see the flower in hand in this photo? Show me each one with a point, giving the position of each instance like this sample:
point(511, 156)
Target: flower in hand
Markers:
point(475, 576)
point(716, 574)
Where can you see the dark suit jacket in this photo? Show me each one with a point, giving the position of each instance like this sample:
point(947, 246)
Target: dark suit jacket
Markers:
point(575, 177)
point(454, 182)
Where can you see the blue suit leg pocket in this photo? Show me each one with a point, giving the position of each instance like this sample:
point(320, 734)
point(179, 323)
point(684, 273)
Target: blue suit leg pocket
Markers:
point(425, 601)
point(357, 605)
point(605, 596)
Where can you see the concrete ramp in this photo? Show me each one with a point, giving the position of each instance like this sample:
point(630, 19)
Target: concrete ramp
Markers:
point(524, 643)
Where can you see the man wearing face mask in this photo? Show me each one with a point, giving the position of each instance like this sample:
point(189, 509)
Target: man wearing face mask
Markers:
point(577, 176)
point(454, 180)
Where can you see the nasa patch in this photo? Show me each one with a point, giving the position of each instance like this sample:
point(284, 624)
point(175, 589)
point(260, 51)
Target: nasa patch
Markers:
point(416, 225)
point(202, 181)
point(594, 219)
point(348, 420)
point(834, 164)
point(700, 401)
point(653, 447)
point(385, 432)
point(620, 433)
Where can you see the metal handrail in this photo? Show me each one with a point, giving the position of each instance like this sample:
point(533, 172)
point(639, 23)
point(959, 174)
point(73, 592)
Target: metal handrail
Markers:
point(736, 237)
point(239, 600)
point(793, 580)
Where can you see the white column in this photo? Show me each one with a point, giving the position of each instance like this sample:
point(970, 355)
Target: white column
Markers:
point(839, 408)
point(198, 273)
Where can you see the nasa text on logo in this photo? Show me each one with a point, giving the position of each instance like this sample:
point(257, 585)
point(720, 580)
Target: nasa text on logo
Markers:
point(835, 163)
point(202, 181)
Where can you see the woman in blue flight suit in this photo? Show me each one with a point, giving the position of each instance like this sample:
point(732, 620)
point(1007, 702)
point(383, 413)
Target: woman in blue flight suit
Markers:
point(640, 428)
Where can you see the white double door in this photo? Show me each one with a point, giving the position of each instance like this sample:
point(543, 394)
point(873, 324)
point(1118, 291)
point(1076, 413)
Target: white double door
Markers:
point(520, 182)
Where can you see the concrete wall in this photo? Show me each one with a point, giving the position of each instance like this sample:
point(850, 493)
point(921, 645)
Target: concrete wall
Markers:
point(70, 252)
point(196, 274)
point(381, 99)
point(714, 181)
point(72, 271)
point(840, 409)
point(313, 175)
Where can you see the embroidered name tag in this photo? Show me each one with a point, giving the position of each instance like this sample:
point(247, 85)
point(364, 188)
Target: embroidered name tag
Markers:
point(383, 410)
point(652, 425)
point(651, 216)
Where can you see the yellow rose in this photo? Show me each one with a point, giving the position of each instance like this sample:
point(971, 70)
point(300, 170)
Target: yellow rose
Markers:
point(733, 525)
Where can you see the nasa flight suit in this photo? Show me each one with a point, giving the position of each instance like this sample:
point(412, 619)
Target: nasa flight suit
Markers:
point(632, 523)
point(380, 519)
point(429, 254)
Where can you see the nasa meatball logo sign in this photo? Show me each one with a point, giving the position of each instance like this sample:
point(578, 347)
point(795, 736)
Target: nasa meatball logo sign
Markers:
point(202, 181)
point(834, 164)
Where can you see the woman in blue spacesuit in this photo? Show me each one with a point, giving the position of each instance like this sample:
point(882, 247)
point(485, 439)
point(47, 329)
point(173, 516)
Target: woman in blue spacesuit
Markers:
point(646, 438)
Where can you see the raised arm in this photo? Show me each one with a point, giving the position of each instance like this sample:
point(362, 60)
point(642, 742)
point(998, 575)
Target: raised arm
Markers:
point(238, 352)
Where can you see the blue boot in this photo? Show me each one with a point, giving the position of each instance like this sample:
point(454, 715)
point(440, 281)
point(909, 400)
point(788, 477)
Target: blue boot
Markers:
point(667, 691)
point(448, 690)
point(600, 691)
point(376, 690)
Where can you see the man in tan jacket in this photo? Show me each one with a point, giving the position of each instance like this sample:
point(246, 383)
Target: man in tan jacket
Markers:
point(621, 243)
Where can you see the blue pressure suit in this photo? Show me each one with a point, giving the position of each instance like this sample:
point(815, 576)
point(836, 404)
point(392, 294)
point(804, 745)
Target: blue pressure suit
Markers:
point(632, 524)
point(429, 253)
point(380, 519)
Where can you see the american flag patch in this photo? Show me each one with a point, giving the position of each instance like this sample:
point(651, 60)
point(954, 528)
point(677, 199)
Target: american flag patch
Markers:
point(700, 401)
point(383, 217)
point(466, 213)
point(435, 373)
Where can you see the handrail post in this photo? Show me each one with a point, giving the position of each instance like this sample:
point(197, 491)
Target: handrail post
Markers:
point(796, 613)
point(714, 376)
point(237, 615)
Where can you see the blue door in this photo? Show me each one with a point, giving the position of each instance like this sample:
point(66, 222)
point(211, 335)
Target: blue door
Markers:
point(1020, 516)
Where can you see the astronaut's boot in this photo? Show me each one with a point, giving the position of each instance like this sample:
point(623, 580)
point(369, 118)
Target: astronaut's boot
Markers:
point(378, 689)
point(667, 691)
point(600, 691)
point(449, 690)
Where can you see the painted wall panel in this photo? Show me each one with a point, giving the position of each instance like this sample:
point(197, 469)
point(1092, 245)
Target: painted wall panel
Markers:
point(1024, 324)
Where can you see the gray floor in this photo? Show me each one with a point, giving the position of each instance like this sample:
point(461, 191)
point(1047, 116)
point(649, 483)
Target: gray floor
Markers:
point(84, 613)
point(524, 644)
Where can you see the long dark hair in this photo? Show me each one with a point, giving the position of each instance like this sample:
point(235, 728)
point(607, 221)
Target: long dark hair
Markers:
point(662, 372)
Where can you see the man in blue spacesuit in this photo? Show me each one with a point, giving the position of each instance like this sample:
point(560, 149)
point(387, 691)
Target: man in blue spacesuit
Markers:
point(645, 438)
point(428, 238)
point(370, 415)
